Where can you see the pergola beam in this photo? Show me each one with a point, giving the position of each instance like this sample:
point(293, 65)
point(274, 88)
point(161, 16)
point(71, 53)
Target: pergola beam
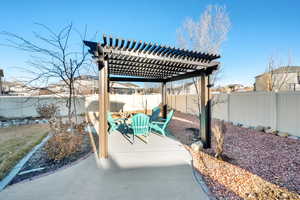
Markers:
point(193, 74)
point(132, 79)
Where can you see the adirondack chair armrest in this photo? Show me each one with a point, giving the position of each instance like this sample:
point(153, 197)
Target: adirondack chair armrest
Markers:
point(155, 122)
point(119, 120)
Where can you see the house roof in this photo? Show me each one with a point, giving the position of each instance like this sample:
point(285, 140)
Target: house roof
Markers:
point(150, 61)
point(283, 69)
point(124, 85)
point(86, 77)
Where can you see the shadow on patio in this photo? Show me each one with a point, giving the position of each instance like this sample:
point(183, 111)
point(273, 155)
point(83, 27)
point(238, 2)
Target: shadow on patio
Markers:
point(157, 170)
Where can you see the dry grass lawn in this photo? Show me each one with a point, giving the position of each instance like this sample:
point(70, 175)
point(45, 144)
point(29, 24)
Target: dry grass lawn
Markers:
point(15, 142)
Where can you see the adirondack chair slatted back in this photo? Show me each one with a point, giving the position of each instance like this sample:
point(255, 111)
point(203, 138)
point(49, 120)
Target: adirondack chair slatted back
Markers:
point(155, 114)
point(169, 117)
point(140, 124)
point(111, 121)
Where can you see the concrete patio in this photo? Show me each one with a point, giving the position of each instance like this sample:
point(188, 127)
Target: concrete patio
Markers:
point(157, 170)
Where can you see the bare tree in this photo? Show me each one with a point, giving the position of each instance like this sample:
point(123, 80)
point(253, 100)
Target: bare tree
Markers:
point(53, 59)
point(205, 35)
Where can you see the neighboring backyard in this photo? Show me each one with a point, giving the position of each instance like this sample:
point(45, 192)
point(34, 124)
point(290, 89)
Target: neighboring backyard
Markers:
point(16, 142)
point(273, 158)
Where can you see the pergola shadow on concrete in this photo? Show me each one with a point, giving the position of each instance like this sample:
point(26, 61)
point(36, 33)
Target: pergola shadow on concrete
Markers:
point(128, 60)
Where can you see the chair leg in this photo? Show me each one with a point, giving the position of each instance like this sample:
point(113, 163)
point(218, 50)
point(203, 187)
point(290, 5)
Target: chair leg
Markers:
point(147, 138)
point(132, 138)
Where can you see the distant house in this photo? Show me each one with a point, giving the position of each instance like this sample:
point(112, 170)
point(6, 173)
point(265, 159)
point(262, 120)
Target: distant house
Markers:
point(83, 85)
point(15, 88)
point(124, 88)
point(286, 78)
point(234, 87)
point(181, 89)
point(189, 88)
point(87, 84)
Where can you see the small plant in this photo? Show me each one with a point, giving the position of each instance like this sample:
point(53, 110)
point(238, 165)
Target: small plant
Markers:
point(47, 110)
point(80, 127)
point(62, 145)
point(219, 130)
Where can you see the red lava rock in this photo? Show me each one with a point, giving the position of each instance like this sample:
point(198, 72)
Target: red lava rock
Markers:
point(273, 158)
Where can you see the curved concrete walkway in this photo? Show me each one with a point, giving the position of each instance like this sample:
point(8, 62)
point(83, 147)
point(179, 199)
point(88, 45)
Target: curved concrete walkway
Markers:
point(157, 170)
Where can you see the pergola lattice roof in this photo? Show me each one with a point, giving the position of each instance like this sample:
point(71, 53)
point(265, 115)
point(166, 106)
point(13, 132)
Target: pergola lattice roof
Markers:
point(142, 61)
point(127, 60)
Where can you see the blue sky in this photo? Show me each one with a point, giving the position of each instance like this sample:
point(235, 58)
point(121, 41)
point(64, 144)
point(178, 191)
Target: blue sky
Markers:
point(259, 28)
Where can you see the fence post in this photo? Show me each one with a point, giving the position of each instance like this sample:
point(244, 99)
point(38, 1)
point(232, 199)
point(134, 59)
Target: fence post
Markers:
point(275, 110)
point(186, 109)
point(228, 107)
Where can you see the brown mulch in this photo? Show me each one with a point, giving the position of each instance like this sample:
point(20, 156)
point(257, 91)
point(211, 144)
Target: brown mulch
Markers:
point(274, 159)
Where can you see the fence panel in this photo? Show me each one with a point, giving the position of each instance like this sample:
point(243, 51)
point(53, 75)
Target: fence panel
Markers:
point(280, 110)
point(288, 112)
point(252, 109)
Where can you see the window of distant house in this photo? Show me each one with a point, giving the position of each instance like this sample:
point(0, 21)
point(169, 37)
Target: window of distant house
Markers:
point(298, 77)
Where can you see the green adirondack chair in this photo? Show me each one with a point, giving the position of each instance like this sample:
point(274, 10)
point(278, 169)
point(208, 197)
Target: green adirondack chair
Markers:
point(161, 126)
point(155, 114)
point(140, 125)
point(113, 124)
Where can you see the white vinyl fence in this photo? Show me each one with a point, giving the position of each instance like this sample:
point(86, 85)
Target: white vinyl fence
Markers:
point(21, 107)
point(123, 102)
point(280, 110)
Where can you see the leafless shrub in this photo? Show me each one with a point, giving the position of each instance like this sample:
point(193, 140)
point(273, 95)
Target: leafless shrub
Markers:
point(47, 110)
point(219, 130)
point(57, 125)
point(62, 145)
point(80, 127)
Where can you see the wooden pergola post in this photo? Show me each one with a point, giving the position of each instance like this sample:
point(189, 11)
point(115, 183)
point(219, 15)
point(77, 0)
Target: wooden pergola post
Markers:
point(164, 99)
point(103, 107)
point(205, 124)
point(1, 75)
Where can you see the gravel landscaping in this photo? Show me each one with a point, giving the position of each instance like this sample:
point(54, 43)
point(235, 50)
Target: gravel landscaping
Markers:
point(273, 158)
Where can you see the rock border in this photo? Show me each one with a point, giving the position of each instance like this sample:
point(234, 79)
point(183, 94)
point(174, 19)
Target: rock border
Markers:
point(54, 171)
point(199, 179)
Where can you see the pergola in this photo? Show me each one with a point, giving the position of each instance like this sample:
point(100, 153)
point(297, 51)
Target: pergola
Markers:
point(128, 60)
